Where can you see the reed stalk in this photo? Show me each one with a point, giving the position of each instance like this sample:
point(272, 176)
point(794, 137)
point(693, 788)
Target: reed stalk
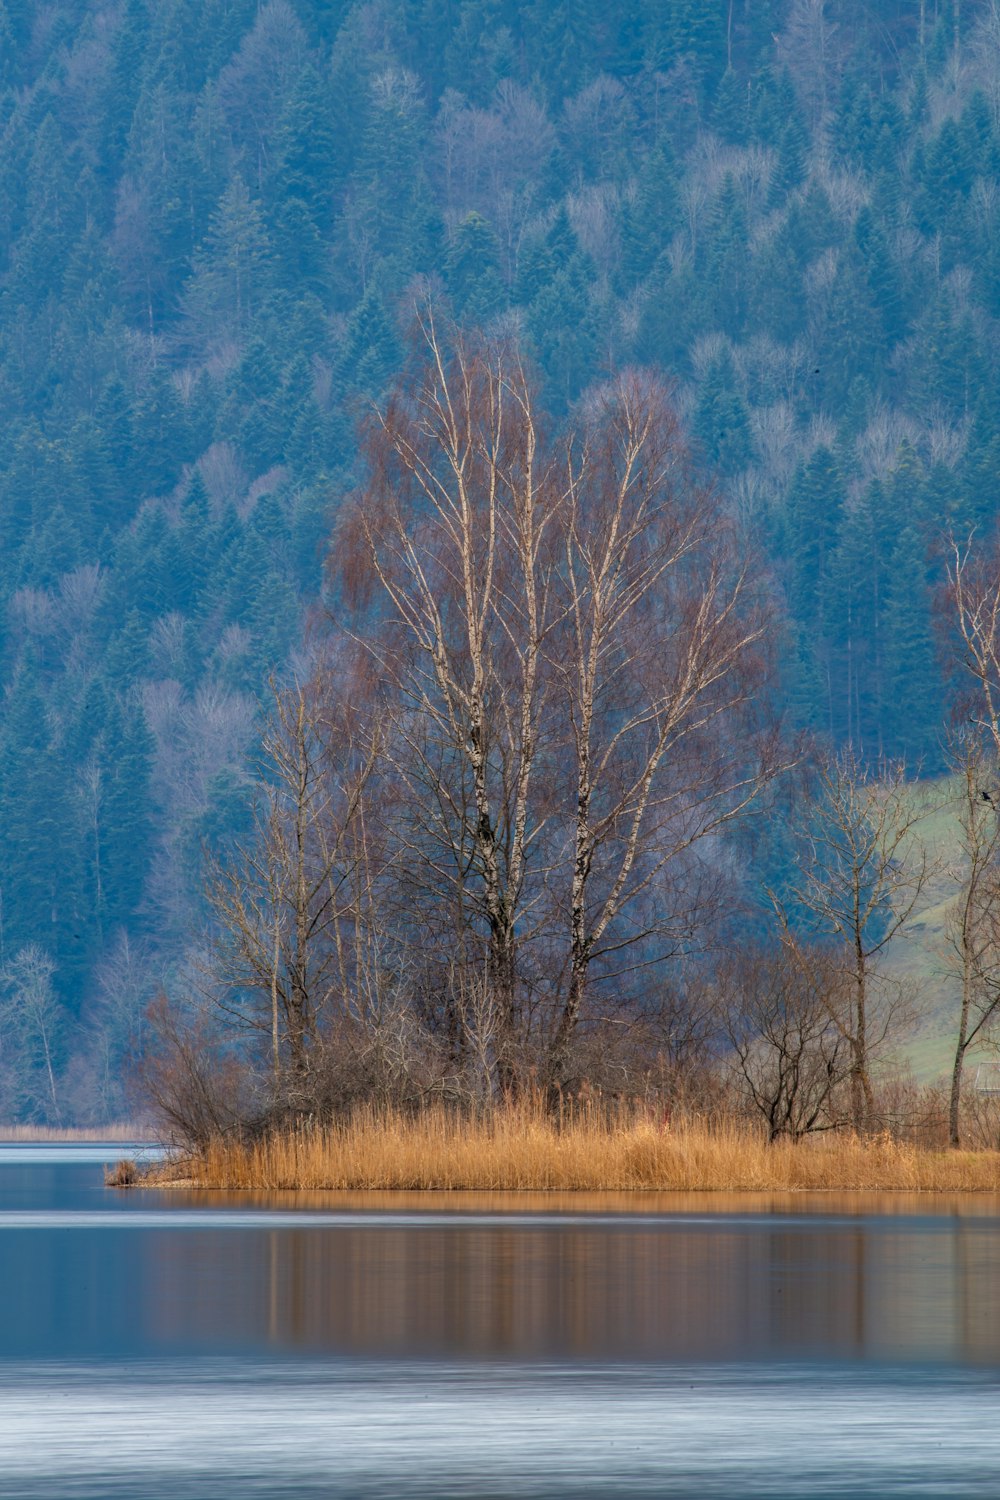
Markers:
point(524, 1149)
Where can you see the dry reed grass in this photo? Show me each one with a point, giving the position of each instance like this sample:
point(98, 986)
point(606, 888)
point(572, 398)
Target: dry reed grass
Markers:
point(44, 1134)
point(524, 1150)
point(123, 1174)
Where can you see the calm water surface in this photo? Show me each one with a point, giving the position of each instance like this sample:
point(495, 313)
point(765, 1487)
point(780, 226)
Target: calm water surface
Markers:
point(486, 1346)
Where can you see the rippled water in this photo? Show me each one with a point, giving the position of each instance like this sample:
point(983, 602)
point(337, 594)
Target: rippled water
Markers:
point(482, 1346)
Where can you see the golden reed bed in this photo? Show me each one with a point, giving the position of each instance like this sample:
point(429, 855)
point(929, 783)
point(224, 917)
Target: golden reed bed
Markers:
point(523, 1150)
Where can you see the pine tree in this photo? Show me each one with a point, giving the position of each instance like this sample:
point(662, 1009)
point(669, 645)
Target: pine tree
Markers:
point(726, 259)
point(562, 328)
point(651, 216)
point(815, 508)
point(52, 549)
point(126, 660)
point(473, 270)
point(913, 681)
point(731, 109)
point(40, 868)
point(299, 249)
point(232, 271)
point(370, 352)
point(721, 420)
point(126, 828)
point(305, 149)
point(852, 339)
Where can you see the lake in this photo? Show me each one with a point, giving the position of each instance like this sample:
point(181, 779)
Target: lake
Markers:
point(380, 1345)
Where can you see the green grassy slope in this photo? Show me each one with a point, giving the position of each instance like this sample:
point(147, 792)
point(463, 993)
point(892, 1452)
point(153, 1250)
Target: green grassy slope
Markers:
point(920, 957)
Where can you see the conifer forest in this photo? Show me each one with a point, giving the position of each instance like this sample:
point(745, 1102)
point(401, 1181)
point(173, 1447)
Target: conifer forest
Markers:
point(497, 517)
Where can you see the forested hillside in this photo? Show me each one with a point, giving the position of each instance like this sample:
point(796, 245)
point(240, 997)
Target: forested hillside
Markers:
point(215, 219)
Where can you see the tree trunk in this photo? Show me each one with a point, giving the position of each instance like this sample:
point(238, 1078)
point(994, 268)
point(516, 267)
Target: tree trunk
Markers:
point(275, 1049)
point(48, 1069)
point(862, 1098)
point(559, 1052)
point(580, 942)
point(960, 1050)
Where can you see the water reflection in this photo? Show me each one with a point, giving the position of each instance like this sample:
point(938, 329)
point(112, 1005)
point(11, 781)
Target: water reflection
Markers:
point(367, 1346)
point(577, 1205)
point(612, 1288)
point(496, 1277)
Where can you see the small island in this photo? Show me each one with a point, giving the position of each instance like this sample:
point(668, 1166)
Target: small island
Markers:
point(540, 892)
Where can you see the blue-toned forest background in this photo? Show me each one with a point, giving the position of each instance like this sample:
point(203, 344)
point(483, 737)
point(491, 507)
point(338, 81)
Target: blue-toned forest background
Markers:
point(215, 218)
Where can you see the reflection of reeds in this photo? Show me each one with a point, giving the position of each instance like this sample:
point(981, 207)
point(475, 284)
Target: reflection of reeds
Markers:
point(522, 1147)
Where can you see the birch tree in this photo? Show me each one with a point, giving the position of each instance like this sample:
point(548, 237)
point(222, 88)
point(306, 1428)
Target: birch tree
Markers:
point(575, 653)
point(458, 522)
point(972, 609)
point(661, 670)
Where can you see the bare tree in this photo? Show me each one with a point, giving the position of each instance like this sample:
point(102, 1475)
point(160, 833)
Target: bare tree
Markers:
point(32, 1020)
point(809, 48)
point(972, 600)
point(661, 667)
point(781, 1015)
point(116, 1020)
point(281, 899)
point(457, 521)
point(973, 928)
point(861, 873)
point(254, 84)
point(575, 653)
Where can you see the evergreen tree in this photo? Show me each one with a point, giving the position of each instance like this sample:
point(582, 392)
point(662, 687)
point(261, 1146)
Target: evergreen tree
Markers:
point(650, 217)
point(731, 109)
point(40, 873)
point(721, 421)
point(370, 352)
point(233, 268)
point(305, 149)
point(914, 690)
point(473, 270)
point(815, 508)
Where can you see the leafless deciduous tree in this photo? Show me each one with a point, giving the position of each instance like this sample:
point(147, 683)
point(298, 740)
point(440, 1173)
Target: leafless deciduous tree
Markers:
point(662, 659)
point(459, 526)
point(861, 873)
point(282, 900)
point(973, 927)
point(32, 1018)
point(972, 603)
point(781, 1014)
point(116, 1020)
point(574, 651)
point(809, 48)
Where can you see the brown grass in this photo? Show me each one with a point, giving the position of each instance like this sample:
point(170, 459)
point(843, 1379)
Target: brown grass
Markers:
point(123, 1174)
point(524, 1150)
point(43, 1134)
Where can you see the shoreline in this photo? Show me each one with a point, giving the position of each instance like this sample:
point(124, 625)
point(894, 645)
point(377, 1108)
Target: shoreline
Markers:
point(610, 1203)
point(522, 1152)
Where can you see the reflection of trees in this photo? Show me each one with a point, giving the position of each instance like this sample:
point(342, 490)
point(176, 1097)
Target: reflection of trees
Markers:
point(851, 1289)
